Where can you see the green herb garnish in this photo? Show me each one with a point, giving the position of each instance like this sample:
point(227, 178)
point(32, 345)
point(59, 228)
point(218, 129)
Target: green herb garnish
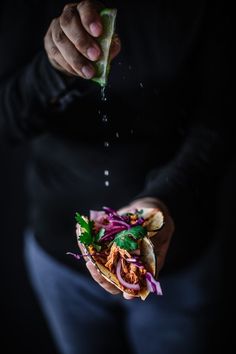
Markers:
point(127, 239)
point(86, 236)
point(99, 235)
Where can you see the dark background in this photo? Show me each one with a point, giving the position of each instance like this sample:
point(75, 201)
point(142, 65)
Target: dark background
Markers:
point(23, 326)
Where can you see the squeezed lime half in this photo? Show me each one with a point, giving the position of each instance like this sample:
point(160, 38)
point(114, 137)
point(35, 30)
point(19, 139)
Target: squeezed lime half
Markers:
point(102, 66)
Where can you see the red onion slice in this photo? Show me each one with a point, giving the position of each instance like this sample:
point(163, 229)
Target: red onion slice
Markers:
point(120, 223)
point(77, 256)
point(122, 281)
point(114, 231)
point(135, 262)
point(131, 260)
point(152, 284)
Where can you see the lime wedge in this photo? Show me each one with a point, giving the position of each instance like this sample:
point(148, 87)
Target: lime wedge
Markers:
point(102, 66)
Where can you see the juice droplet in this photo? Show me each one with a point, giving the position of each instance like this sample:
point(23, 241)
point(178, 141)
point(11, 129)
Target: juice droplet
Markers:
point(103, 93)
point(106, 144)
point(131, 131)
point(104, 118)
point(107, 183)
point(117, 135)
point(130, 67)
point(106, 172)
point(141, 84)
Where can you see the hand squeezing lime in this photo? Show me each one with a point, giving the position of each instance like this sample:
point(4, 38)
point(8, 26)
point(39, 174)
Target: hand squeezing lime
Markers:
point(102, 66)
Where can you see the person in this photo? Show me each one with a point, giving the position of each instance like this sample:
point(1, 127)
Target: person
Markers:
point(160, 138)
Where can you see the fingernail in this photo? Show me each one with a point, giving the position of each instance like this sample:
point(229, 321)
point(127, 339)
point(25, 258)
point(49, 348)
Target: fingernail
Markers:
point(88, 71)
point(128, 297)
point(93, 53)
point(89, 264)
point(95, 28)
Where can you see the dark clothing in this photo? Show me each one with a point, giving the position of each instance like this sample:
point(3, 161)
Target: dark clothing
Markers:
point(83, 318)
point(165, 101)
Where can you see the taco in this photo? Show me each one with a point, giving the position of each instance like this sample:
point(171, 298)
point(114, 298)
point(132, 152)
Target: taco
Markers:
point(121, 249)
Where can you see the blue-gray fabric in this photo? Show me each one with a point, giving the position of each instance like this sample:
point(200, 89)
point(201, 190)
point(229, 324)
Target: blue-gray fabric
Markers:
point(85, 319)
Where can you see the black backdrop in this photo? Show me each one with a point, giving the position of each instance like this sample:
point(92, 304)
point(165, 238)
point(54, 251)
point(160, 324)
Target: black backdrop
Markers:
point(22, 324)
point(23, 327)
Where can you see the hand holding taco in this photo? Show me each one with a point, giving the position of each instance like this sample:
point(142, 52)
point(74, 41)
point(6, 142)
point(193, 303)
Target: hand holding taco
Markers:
point(120, 248)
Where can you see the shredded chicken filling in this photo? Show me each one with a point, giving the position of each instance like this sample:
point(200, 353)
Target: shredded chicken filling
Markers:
point(129, 272)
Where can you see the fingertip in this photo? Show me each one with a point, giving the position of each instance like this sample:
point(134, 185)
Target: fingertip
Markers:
point(95, 29)
point(128, 297)
point(89, 265)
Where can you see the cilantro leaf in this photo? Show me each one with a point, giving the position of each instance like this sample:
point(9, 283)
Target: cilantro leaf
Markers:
point(137, 232)
point(97, 247)
point(125, 242)
point(86, 236)
point(80, 220)
point(127, 239)
point(99, 235)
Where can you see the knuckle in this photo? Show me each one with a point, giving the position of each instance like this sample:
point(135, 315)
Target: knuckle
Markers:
point(76, 63)
point(66, 67)
point(59, 36)
point(66, 7)
point(67, 15)
point(82, 4)
point(81, 43)
point(53, 52)
point(54, 23)
point(86, 9)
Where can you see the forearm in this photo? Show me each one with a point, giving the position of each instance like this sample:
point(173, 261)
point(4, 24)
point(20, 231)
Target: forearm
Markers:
point(200, 162)
point(197, 166)
point(31, 96)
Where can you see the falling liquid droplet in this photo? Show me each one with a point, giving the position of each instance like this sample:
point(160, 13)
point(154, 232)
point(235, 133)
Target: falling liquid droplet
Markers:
point(117, 135)
point(131, 131)
point(141, 84)
point(106, 172)
point(107, 183)
point(99, 112)
point(130, 67)
point(103, 93)
point(106, 144)
point(104, 118)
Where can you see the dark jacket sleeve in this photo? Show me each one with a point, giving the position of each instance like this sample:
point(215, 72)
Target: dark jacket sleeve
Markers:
point(30, 96)
point(206, 149)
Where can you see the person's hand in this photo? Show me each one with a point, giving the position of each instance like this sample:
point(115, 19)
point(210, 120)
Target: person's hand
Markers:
point(95, 273)
point(161, 242)
point(70, 41)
